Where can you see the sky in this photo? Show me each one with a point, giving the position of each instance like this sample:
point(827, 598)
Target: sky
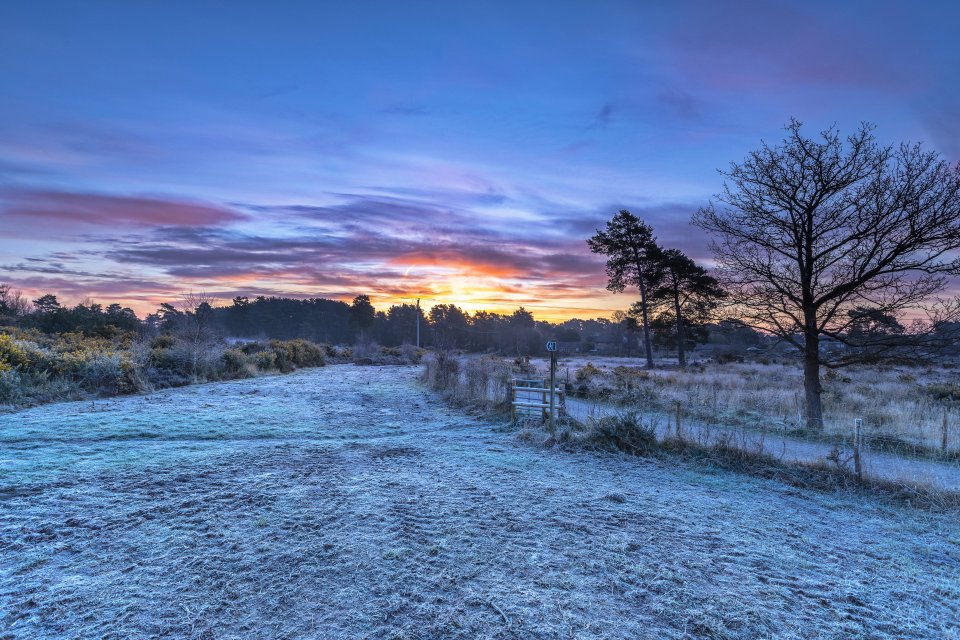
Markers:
point(449, 151)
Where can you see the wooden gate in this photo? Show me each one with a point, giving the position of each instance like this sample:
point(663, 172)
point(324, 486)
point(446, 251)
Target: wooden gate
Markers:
point(531, 398)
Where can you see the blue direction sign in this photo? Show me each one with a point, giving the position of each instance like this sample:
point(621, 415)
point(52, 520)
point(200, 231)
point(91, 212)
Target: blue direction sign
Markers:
point(552, 345)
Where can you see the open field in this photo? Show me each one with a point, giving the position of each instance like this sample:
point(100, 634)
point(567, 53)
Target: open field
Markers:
point(903, 406)
point(349, 502)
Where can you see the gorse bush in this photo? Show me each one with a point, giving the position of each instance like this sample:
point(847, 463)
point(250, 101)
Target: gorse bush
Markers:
point(299, 352)
point(265, 360)
point(12, 355)
point(36, 367)
point(367, 353)
point(411, 354)
point(587, 373)
point(175, 361)
point(104, 373)
point(235, 363)
point(628, 378)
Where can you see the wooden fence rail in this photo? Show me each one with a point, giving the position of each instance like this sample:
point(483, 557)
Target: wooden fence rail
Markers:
point(531, 397)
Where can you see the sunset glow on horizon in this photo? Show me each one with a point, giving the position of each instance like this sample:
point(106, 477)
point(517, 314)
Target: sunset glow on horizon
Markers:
point(456, 154)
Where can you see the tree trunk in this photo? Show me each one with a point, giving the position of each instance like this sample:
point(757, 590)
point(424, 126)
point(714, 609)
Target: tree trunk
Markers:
point(811, 381)
point(681, 347)
point(646, 323)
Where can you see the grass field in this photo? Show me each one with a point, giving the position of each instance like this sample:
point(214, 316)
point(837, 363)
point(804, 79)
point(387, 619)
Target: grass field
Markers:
point(898, 405)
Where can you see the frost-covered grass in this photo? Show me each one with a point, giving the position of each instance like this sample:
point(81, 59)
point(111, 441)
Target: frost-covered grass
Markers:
point(899, 406)
point(350, 502)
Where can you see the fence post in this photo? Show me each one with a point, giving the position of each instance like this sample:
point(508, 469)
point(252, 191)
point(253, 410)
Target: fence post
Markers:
point(679, 429)
point(857, 426)
point(553, 390)
point(944, 432)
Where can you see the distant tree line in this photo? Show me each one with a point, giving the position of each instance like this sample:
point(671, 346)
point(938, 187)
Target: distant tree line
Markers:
point(197, 317)
point(49, 316)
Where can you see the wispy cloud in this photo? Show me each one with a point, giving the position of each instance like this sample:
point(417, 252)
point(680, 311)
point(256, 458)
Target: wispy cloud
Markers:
point(40, 208)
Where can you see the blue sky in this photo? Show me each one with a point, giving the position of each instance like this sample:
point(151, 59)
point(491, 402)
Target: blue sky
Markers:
point(455, 151)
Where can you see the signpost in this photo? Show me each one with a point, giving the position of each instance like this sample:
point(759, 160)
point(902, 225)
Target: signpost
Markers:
point(530, 395)
point(552, 348)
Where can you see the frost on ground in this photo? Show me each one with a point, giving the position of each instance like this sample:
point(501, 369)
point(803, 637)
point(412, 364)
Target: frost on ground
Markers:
point(347, 502)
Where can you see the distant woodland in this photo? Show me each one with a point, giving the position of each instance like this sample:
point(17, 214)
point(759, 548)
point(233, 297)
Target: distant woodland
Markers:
point(340, 323)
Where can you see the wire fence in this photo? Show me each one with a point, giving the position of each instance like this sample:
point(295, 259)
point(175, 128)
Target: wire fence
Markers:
point(894, 425)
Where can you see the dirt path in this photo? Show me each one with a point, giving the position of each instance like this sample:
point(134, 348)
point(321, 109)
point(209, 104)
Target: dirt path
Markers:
point(888, 466)
point(347, 502)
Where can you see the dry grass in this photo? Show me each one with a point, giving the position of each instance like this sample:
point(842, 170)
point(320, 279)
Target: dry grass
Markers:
point(483, 383)
point(629, 433)
point(901, 407)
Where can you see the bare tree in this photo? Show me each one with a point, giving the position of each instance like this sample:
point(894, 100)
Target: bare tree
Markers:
point(811, 233)
point(632, 260)
point(196, 327)
point(12, 303)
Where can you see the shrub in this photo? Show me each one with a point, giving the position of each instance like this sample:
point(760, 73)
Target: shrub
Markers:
point(250, 348)
point(265, 360)
point(162, 342)
point(363, 353)
point(625, 432)
point(12, 355)
point(586, 373)
point(281, 360)
point(411, 354)
point(177, 358)
point(627, 378)
point(832, 375)
point(522, 364)
point(729, 358)
point(298, 353)
point(102, 373)
point(442, 371)
point(11, 387)
point(235, 363)
point(944, 391)
point(484, 382)
point(50, 367)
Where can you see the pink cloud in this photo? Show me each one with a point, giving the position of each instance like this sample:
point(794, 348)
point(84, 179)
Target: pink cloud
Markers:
point(110, 210)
